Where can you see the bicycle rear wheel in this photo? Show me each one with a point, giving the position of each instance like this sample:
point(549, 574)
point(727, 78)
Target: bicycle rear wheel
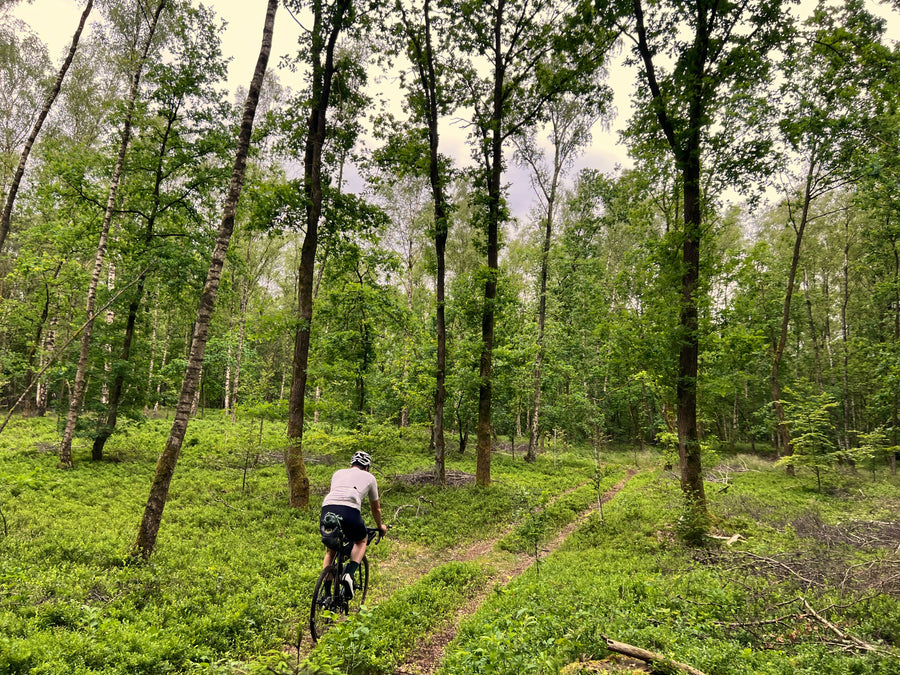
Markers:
point(326, 605)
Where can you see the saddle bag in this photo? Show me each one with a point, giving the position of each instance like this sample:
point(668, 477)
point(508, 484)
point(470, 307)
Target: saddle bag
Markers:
point(330, 529)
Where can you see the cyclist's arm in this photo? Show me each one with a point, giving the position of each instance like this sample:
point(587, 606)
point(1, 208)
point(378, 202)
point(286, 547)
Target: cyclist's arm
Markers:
point(376, 514)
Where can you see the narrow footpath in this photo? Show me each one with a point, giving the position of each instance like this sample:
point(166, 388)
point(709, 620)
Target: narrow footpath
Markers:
point(429, 653)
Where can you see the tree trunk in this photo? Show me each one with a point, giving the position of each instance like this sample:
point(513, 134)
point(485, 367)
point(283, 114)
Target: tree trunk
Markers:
point(75, 400)
point(812, 331)
point(107, 347)
point(34, 352)
point(531, 454)
point(826, 328)
point(784, 435)
point(42, 391)
point(6, 217)
point(845, 338)
point(563, 150)
point(494, 172)
point(686, 151)
point(423, 54)
point(242, 327)
point(424, 63)
point(162, 365)
point(152, 365)
point(460, 427)
point(115, 391)
point(688, 360)
point(226, 405)
point(322, 74)
point(407, 336)
point(366, 344)
point(165, 467)
point(895, 408)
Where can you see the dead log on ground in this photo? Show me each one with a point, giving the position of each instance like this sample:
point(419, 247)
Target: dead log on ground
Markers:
point(648, 656)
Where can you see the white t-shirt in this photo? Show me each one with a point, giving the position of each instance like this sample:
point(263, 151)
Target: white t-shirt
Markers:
point(350, 486)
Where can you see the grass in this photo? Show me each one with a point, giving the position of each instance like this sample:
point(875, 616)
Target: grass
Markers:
point(378, 640)
point(628, 578)
point(233, 571)
point(228, 589)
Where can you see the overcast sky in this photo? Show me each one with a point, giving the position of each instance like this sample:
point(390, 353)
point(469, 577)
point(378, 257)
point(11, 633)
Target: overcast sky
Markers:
point(55, 21)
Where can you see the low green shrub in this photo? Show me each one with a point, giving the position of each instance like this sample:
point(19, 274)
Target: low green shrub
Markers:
point(230, 582)
point(629, 577)
point(540, 518)
point(377, 640)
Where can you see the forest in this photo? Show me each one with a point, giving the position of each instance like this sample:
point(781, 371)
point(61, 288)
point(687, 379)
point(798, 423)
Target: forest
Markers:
point(210, 298)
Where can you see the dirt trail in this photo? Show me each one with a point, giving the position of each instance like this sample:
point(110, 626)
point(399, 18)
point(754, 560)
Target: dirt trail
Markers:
point(429, 653)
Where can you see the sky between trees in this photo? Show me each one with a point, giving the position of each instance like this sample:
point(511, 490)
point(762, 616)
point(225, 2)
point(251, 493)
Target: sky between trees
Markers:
point(245, 23)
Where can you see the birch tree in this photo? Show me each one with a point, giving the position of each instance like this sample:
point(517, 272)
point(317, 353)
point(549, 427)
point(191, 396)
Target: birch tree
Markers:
point(78, 386)
point(165, 467)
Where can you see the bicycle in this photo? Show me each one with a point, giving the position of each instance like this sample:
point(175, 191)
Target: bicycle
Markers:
point(329, 603)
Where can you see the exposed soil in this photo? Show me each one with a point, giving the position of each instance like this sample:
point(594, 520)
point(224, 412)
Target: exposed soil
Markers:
point(430, 651)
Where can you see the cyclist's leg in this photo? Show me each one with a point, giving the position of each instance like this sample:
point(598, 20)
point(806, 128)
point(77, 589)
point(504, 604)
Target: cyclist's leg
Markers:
point(330, 553)
point(329, 558)
point(326, 563)
point(359, 550)
point(354, 528)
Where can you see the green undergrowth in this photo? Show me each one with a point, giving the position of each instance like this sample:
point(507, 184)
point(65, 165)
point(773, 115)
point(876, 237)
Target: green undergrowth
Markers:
point(540, 516)
point(628, 577)
point(379, 639)
point(228, 588)
point(229, 584)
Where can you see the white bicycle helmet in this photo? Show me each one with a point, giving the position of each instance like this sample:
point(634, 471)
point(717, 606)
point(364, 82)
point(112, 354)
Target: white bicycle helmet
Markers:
point(362, 459)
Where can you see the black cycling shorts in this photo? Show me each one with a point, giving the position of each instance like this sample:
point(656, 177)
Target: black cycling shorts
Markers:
point(352, 523)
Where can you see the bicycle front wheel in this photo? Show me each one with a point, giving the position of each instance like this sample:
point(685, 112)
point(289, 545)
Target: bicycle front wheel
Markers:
point(326, 604)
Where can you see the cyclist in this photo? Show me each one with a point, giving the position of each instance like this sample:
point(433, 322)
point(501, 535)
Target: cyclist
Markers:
point(348, 489)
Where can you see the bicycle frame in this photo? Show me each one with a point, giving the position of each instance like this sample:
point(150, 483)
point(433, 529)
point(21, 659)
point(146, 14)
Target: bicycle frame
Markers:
point(329, 602)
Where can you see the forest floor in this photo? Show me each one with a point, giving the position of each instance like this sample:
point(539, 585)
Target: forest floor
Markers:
point(408, 565)
point(798, 576)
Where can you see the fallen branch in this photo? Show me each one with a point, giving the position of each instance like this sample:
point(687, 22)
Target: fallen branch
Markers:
point(421, 499)
point(229, 506)
point(399, 509)
point(648, 656)
point(762, 622)
point(857, 643)
point(777, 563)
point(846, 641)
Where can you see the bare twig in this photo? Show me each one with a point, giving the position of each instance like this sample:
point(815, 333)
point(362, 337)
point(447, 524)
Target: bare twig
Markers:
point(778, 563)
point(859, 644)
point(420, 499)
point(227, 505)
point(761, 622)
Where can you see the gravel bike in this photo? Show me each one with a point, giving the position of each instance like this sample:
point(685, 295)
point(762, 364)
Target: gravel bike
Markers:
point(329, 603)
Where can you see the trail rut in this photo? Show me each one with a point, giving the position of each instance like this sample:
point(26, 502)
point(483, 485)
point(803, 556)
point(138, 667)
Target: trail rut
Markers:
point(429, 653)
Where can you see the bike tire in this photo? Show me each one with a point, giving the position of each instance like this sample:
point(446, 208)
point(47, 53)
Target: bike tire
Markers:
point(324, 606)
